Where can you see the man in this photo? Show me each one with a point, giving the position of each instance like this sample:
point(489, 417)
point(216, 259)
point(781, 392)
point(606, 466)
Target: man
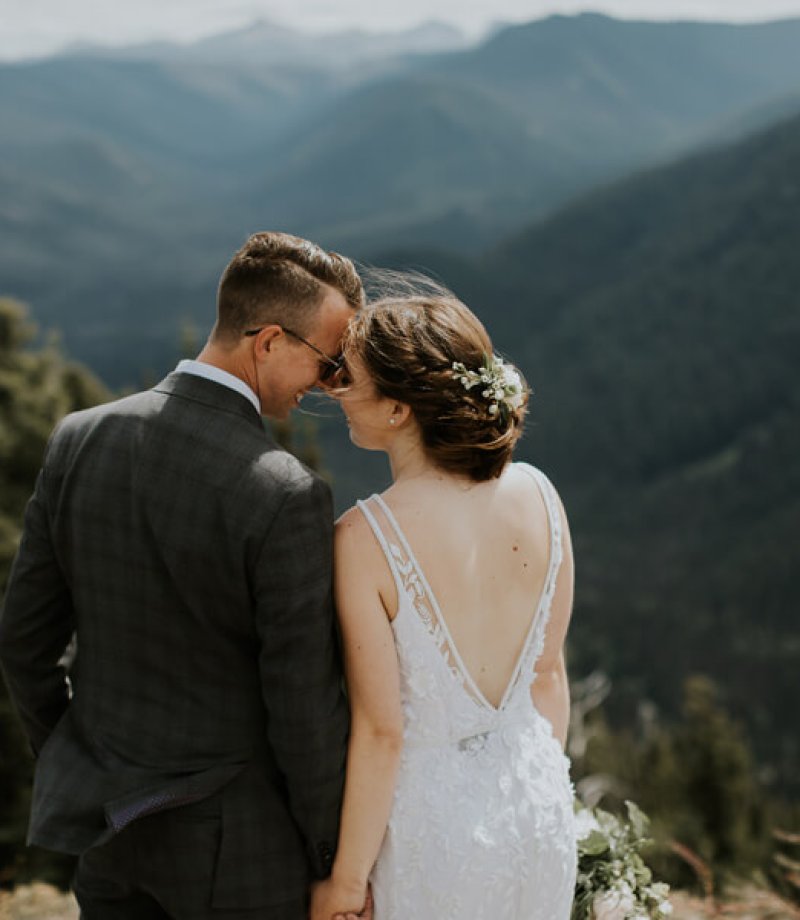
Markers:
point(194, 752)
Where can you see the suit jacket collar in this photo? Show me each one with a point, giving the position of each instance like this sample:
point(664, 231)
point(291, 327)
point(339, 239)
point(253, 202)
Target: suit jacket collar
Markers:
point(209, 393)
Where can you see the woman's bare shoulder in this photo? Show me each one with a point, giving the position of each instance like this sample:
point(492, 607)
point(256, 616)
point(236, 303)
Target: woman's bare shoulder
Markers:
point(352, 527)
point(360, 560)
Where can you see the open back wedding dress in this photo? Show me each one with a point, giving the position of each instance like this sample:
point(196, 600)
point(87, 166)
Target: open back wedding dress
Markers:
point(482, 822)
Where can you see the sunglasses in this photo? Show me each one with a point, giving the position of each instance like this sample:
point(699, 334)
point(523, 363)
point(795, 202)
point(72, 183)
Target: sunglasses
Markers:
point(329, 367)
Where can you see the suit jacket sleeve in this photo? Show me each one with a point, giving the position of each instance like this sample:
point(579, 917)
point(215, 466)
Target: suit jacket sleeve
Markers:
point(300, 665)
point(36, 624)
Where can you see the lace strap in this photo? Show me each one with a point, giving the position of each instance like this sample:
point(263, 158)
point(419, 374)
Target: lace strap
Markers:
point(412, 582)
point(408, 578)
point(534, 641)
point(389, 550)
point(554, 524)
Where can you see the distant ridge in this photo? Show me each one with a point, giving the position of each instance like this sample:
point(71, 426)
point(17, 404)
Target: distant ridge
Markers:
point(265, 42)
point(518, 124)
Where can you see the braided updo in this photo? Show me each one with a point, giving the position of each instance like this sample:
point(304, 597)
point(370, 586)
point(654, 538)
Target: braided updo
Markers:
point(408, 346)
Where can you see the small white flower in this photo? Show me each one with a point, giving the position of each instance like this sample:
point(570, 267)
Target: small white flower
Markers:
point(501, 384)
point(615, 904)
point(585, 823)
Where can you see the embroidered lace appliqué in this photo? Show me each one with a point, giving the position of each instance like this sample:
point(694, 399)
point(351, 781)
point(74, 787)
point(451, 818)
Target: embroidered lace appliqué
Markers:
point(415, 587)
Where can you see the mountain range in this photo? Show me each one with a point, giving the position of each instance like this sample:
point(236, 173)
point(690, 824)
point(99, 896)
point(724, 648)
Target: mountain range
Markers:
point(493, 136)
point(267, 42)
point(127, 179)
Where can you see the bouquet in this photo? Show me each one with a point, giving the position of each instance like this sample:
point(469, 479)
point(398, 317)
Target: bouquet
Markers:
point(613, 881)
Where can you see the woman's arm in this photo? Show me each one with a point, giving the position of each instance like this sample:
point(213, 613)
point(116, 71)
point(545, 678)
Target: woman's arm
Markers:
point(550, 689)
point(376, 732)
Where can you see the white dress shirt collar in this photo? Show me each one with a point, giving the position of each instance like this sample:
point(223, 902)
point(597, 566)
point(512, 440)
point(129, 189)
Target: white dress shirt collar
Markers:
point(210, 372)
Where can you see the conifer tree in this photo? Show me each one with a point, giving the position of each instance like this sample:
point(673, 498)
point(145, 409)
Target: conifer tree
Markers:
point(721, 786)
point(38, 386)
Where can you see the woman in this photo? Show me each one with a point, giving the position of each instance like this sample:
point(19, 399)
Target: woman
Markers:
point(454, 591)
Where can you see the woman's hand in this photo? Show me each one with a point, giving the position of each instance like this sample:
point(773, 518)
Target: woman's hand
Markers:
point(340, 901)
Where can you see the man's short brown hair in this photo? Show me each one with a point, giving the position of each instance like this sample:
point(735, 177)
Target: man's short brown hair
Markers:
point(278, 278)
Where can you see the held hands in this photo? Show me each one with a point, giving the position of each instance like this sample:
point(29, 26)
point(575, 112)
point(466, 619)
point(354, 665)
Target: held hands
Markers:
point(332, 900)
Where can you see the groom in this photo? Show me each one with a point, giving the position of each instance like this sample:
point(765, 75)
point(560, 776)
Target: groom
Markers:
point(193, 750)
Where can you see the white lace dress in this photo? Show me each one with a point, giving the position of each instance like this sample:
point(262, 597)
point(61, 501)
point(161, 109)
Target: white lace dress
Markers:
point(482, 823)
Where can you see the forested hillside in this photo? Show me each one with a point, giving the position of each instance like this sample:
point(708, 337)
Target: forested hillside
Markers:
point(659, 323)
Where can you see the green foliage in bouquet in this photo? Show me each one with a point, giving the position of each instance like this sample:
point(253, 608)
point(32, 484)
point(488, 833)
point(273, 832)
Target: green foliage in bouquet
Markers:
point(614, 882)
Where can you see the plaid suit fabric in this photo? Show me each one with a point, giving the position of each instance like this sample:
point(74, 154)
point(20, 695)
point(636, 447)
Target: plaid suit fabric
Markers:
point(172, 853)
point(193, 559)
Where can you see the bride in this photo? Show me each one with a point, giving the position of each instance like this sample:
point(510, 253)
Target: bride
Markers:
point(454, 592)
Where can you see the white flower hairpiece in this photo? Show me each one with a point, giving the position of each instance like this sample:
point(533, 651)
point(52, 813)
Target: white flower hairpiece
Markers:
point(500, 383)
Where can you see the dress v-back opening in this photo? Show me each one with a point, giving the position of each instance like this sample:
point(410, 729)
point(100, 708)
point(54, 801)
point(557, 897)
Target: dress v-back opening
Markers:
point(403, 558)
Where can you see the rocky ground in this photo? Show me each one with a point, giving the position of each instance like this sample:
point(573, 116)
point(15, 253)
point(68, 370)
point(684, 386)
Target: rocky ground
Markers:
point(40, 902)
point(37, 902)
point(751, 904)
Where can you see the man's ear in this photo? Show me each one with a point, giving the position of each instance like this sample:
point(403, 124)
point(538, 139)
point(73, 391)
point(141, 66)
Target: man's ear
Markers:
point(267, 336)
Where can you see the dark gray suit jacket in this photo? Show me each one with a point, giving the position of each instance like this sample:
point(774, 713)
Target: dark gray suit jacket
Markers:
point(192, 558)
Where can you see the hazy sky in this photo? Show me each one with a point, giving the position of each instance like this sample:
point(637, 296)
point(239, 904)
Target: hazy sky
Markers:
point(33, 27)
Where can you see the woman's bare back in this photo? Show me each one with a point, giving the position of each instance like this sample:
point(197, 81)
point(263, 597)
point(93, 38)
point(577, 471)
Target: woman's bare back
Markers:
point(484, 549)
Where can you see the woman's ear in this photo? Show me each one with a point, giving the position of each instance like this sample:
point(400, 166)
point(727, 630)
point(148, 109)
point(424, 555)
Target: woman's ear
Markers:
point(399, 415)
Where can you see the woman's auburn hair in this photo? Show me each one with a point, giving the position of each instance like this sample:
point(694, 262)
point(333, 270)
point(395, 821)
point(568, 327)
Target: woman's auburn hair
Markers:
point(408, 346)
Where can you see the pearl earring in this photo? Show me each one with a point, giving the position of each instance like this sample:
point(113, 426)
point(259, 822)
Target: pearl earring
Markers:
point(392, 421)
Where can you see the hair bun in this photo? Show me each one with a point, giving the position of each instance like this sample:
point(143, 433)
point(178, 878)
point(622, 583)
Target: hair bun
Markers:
point(432, 353)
